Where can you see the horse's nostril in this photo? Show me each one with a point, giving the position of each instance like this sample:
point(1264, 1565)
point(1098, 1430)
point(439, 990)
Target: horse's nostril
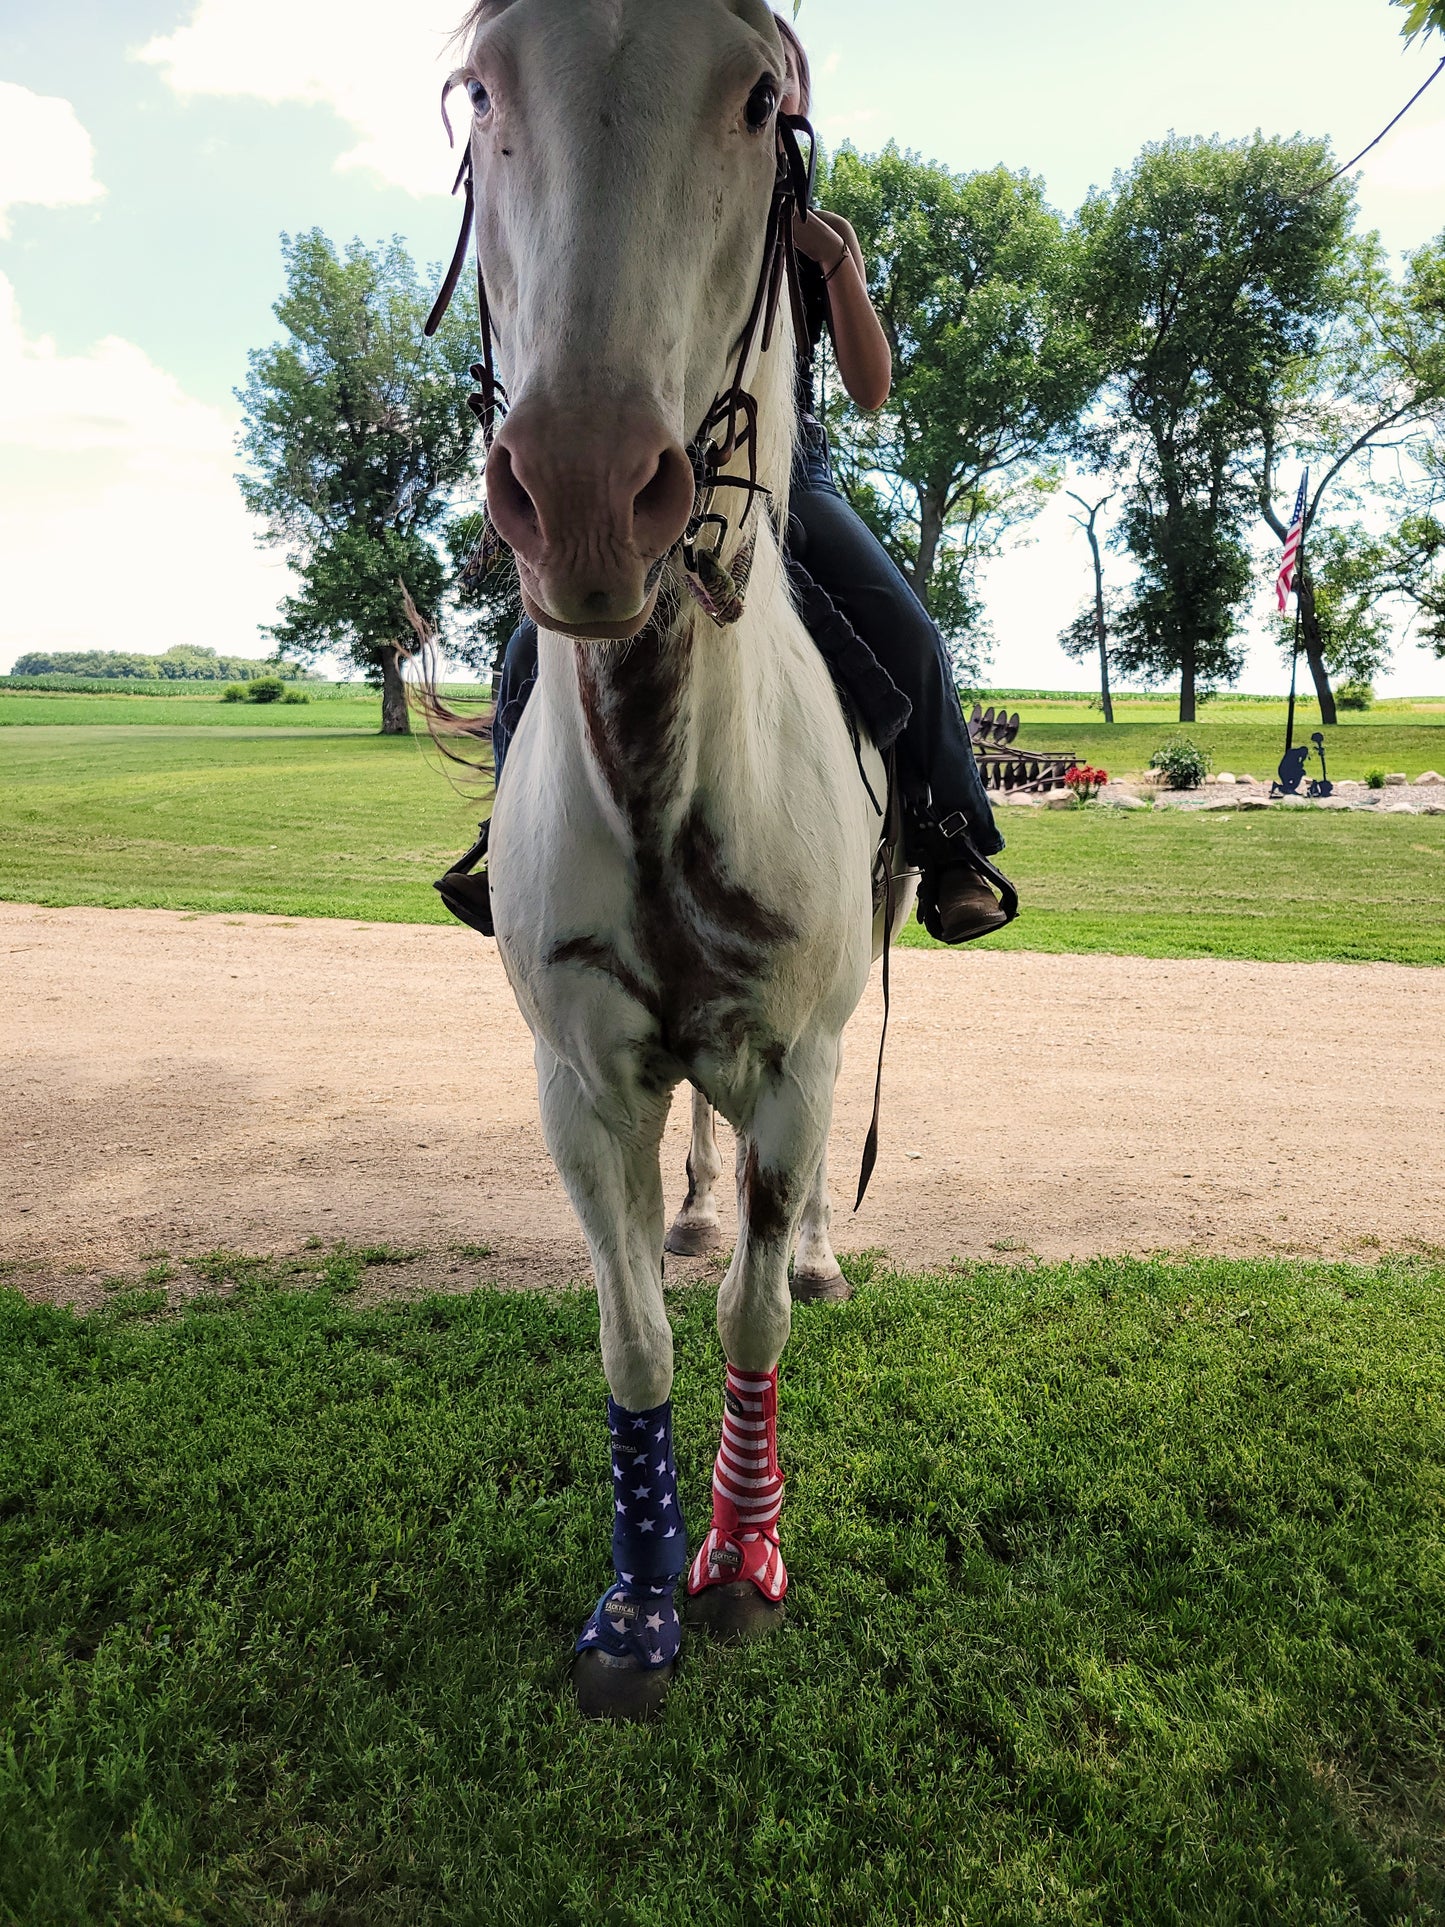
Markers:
point(661, 508)
point(513, 512)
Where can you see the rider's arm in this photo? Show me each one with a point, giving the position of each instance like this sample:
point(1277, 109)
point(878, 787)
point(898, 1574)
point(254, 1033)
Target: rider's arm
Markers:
point(859, 342)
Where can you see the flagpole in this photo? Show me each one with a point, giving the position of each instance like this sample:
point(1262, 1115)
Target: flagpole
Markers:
point(1299, 562)
point(1293, 674)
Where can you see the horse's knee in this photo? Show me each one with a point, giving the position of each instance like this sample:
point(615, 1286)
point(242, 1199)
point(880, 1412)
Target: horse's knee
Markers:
point(754, 1308)
point(637, 1360)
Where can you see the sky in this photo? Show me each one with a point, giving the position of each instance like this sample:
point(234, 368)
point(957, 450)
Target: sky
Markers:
point(152, 152)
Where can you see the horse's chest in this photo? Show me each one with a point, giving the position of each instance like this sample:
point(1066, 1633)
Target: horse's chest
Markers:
point(711, 941)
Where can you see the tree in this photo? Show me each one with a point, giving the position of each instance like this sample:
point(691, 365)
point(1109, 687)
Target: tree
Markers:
point(1406, 566)
point(1207, 264)
point(1422, 16)
point(1414, 570)
point(1374, 382)
point(185, 662)
point(973, 280)
point(1088, 634)
point(1350, 574)
point(358, 436)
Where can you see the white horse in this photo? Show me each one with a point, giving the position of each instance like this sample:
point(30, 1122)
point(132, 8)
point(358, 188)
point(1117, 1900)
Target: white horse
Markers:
point(682, 850)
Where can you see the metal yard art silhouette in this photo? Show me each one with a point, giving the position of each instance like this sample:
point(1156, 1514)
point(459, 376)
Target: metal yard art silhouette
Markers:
point(1292, 771)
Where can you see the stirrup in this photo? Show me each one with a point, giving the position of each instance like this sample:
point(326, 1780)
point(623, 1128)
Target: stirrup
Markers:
point(951, 837)
point(468, 897)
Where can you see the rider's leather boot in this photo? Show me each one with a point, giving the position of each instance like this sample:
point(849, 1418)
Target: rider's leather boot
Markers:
point(966, 907)
point(468, 897)
point(961, 895)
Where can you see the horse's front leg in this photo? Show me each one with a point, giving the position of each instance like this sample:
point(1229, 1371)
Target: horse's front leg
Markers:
point(697, 1229)
point(738, 1580)
point(629, 1645)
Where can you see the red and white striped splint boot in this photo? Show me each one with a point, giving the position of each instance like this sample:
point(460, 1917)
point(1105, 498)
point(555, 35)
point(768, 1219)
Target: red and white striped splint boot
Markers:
point(747, 1493)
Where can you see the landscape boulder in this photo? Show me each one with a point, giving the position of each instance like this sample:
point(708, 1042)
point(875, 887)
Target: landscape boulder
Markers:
point(1396, 780)
point(1226, 778)
point(1430, 776)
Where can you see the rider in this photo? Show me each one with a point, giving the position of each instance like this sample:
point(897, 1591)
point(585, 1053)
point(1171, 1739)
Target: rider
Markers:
point(939, 775)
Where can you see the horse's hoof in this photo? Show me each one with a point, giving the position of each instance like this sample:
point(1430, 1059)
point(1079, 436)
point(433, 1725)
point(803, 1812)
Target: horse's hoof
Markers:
point(693, 1240)
point(737, 1612)
point(820, 1288)
point(615, 1689)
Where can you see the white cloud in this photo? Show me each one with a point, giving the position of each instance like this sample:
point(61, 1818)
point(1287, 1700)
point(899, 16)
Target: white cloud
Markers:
point(379, 66)
point(120, 523)
point(46, 156)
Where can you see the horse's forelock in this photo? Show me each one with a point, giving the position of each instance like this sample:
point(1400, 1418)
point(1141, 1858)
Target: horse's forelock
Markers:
point(478, 15)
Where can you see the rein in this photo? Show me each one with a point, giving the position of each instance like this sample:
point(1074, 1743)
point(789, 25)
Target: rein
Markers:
point(731, 424)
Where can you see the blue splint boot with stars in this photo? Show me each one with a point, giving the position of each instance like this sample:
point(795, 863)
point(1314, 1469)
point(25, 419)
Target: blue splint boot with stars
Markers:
point(627, 1649)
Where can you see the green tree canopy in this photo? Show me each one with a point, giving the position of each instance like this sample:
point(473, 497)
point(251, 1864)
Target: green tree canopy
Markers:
point(186, 662)
point(358, 439)
point(1208, 268)
point(973, 280)
point(1373, 384)
point(1422, 16)
point(1349, 576)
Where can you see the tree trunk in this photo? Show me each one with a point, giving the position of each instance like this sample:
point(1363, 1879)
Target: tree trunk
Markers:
point(1187, 699)
point(395, 716)
point(1101, 634)
point(1314, 647)
point(930, 534)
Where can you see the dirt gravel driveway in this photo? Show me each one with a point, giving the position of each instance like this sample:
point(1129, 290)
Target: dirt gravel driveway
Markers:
point(175, 1083)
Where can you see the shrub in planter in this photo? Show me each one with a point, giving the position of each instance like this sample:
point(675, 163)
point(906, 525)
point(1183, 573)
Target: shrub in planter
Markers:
point(265, 689)
point(1376, 779)
point(1355, 695)
point(1182, 764)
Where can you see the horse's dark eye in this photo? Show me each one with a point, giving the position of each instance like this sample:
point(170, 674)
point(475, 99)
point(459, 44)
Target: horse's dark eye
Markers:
point(762, 104)
point(481, 100)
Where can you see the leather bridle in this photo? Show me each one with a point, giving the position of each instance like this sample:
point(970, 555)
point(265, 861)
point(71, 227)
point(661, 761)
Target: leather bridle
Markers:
point(731, 424)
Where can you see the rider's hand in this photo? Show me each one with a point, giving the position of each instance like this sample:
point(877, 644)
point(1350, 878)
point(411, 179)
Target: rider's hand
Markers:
point(822, 237)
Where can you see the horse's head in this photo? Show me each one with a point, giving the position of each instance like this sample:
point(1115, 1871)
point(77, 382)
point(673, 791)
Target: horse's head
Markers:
point(624, 154)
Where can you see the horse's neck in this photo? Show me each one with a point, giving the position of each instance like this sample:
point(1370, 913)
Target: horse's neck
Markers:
point(683, 709)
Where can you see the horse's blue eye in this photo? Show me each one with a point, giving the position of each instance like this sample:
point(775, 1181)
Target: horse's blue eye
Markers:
point(481, 100)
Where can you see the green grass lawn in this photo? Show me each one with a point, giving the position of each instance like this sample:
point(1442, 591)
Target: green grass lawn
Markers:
point(1117, 1597)
point(1162, 709)
point(351, 824)
point(344, 824)
point(1245, 748)
point(189, 708)
point(1303, 886)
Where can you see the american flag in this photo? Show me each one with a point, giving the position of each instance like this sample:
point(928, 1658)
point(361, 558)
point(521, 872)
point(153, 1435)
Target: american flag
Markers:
point(1284, 581)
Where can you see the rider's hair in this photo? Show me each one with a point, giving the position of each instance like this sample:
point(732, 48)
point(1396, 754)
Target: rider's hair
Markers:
point(800, 63)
